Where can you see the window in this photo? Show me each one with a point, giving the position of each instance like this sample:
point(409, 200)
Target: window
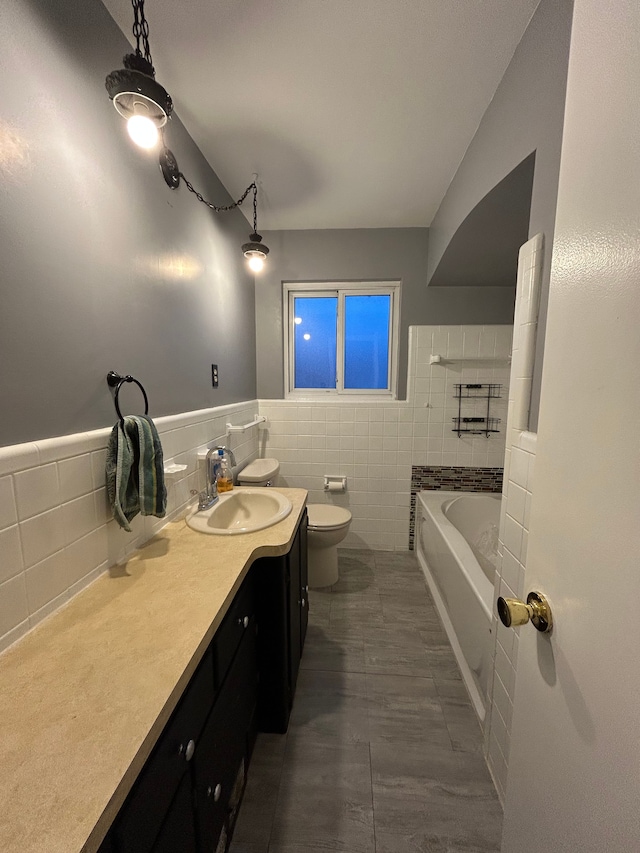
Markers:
point(341, 338)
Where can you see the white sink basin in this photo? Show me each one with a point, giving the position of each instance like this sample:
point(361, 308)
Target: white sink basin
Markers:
point(243, 510)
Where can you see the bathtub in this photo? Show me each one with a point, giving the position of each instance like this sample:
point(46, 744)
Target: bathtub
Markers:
point(457, 537)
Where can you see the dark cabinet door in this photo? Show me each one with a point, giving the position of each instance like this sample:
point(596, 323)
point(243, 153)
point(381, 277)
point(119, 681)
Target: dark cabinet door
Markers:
point(223, 745)
point(295, 607)
point(304, 581)
point(282, 603)
point(141, 817)
point(178, 831)
point(272, 600)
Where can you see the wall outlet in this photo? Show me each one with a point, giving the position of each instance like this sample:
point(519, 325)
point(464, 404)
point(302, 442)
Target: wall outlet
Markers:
point(214, 375)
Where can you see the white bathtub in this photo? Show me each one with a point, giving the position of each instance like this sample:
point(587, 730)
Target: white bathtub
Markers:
point(456, 535)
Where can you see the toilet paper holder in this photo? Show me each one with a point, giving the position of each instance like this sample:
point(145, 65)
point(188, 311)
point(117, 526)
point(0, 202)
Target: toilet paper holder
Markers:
point(335, 483)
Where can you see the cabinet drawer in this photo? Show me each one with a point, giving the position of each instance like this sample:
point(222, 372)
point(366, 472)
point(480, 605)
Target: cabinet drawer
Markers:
point(141, 816)
point(239, 617)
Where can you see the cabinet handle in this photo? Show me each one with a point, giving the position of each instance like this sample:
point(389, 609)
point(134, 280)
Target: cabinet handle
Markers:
point(243, 623)
point(188, 750)
point(304, 603)
point(214, 792)
point(306, 589)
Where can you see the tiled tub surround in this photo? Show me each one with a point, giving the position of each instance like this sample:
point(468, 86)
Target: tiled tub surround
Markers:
point(517, 490)
point(56, 530)
point(376, 446)
point(443, 478)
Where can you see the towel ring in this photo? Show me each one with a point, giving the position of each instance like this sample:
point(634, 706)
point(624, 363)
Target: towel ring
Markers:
point(114, 380)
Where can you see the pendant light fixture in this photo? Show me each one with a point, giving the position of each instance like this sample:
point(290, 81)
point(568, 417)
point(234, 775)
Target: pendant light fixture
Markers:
point(147, 107)
point(136, 95)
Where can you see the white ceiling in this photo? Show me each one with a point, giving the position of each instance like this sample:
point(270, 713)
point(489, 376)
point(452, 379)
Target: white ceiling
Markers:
point(354, 113)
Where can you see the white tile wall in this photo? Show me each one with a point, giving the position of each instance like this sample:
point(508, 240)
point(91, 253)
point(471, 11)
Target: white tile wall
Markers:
point(519, 465)
point(56, 529)
point(375, 445)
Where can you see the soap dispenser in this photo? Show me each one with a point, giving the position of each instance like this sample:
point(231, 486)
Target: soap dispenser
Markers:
point(224, 473)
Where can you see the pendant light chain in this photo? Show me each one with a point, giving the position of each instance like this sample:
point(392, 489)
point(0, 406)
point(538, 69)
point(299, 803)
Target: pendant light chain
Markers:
point(141, 29)
point(225, 207)
point(154, 106)
point(255, 208)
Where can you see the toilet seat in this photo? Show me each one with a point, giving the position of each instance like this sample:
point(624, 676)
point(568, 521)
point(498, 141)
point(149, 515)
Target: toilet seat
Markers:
point(327, 517)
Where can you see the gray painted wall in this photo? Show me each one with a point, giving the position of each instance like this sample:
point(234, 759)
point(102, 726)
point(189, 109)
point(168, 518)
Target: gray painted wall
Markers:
point(361, 255)
point(484, 250)
point(526, 114)
point(103, 267)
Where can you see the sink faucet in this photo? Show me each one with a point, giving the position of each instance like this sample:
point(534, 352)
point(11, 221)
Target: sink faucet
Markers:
point(210, 495)
point(207, 498)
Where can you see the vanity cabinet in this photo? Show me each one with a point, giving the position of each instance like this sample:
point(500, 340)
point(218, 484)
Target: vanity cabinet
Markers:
point(185, 793)
point(188, 793)
point(282, 599)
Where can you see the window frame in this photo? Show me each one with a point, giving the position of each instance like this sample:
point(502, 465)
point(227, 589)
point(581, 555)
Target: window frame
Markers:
point(342, 289)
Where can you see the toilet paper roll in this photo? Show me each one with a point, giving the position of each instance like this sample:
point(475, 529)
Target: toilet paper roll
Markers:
point(335, 486)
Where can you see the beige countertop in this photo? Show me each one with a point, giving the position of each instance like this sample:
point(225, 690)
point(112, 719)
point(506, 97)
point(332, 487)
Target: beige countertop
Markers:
point(85, 695)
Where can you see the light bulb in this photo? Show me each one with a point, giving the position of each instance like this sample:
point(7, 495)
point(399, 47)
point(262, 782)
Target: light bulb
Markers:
point(297, 320)
point(307, 337)
point(143, 131)
point(256, 263)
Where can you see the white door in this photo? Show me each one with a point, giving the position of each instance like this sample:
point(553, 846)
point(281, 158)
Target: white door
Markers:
point(574, 769)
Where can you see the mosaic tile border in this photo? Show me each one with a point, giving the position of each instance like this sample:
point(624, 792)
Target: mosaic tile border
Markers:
point(451, 479)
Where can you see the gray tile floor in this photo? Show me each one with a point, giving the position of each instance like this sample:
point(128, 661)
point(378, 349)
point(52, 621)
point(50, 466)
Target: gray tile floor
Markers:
point(384, 752)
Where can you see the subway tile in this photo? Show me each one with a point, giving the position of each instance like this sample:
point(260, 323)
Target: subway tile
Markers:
point(8, 510)
point(530, 473)
point(471, 341)
point(62, 447)
point(13, 603)
point(42, 536)
point(502, 700)
point(510, 569)
point(505, 669)
point(37, 489)
point(519, 467)
point(85, 555)
point(98, 465)
point(516, 500)
point(75, 476)
point(524, 548)
point(79, 517)
point(12, 636)
point(17, 457)
point(512, 536)
point(47, 580)
point(11, 562)
point(498, 765)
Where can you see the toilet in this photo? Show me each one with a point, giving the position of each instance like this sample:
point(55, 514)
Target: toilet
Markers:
point(328, 526)
point(260, 472)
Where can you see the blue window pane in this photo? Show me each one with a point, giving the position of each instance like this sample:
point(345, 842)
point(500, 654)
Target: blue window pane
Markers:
point(366, 341)
point(315, 336)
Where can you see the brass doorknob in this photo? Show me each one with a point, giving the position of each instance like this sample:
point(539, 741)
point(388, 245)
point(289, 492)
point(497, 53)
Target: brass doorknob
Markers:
point(513, 612)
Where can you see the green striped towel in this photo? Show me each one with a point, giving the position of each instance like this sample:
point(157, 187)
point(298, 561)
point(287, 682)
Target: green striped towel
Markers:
point(134, 470)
